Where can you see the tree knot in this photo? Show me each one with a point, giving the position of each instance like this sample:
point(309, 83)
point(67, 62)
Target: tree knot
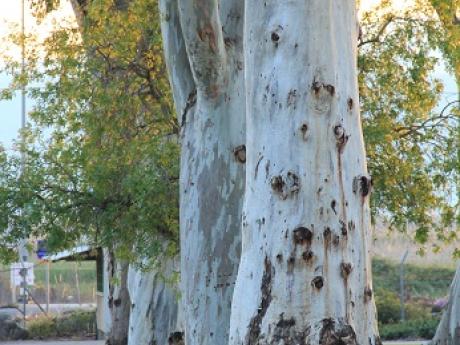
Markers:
point(345, 269)
point(285, 186)
point(336, 332)
point(240, 153)
point(317, 282)
point(362, 184)
point(302, 236)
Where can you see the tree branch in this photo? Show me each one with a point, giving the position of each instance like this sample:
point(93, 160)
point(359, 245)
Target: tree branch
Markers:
point(379, 34)
point(202, 31)
point(431, 122)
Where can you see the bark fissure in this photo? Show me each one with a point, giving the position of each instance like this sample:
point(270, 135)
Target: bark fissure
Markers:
point(254, 331)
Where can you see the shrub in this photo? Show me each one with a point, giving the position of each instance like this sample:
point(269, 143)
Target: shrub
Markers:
point(73, 324)
point(79, 323)
point(412, 329)
point(42, 328)
point(421, 281)
point(388, 307)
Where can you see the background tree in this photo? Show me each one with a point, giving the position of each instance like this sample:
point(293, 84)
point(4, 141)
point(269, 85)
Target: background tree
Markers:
point(411, 142)
point(101, 150)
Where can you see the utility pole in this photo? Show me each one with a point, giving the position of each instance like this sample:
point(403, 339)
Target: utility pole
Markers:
point(23, 252)
point(401, 285)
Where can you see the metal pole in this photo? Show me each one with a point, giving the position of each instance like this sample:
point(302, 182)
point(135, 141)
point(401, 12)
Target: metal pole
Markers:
point(23, 253)
point(77, 281)
point(401, 285)
point(23, 67)
point(48, 287)
point(13, 288)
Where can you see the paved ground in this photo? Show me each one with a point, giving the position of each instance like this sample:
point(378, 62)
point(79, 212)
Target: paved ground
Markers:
point(102, 343)
point(54, 343)
point(402, 342)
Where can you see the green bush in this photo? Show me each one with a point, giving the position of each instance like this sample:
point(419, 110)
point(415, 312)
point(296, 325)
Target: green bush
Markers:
point(389, 308)
point(412, 329)
point(42, 328)
point(79, 323)
point(73, 324)
point(421, 281)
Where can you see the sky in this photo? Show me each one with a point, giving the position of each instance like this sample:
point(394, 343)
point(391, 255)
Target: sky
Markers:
point(10, 18)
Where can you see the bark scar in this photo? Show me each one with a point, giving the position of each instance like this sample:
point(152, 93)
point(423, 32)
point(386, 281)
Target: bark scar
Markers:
point(191, 101)
point(266, 292)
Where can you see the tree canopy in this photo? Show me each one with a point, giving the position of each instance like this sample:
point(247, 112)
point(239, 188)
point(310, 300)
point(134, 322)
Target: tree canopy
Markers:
point(411, 136)
point(101, 155)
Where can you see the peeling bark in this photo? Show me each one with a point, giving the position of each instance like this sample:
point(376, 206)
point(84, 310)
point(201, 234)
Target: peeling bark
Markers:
point(203, 47)
point(448, 332)
point(154, 317)
point(301, 80)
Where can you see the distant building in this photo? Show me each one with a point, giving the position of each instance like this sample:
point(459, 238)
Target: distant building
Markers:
point(88, 253)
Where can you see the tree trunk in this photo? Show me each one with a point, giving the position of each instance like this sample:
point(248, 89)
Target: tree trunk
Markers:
point(205, 67)
point(448, 332)
point(119, 301)
point(305, 274)
point(154, 317)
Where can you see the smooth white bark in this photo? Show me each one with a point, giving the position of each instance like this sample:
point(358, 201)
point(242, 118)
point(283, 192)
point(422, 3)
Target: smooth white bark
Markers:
point(203, 48)
point(106, 311)
point(304, 275)
point(448, 332)
point(154, 317)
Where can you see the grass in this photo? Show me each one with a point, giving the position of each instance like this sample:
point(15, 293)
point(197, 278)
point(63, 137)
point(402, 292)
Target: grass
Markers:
point(62, 282)
point(429, 282)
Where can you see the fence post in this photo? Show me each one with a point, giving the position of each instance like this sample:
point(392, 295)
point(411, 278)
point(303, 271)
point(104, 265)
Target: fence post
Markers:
point(77, 281)
point(401, 285)
point(48, 287)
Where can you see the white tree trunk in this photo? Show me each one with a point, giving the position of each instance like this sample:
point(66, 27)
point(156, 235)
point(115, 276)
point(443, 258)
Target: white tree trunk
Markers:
point(205, 67)
point(448, 332)
point(154, 317)
point(305, 274)
point(119, 301)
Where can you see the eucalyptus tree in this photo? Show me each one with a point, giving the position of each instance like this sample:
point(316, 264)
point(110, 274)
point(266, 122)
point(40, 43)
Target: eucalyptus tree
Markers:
point(448, 332)
point(204, 54)
point(211, 75)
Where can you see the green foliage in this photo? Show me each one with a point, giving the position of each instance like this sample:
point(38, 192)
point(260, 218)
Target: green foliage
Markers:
point(101, 153)
point(389, 308)
point(423, 285)
point(447, 11)
point(74, 324)
point(412, 146)
point(423, 282)
point(413, 329)
point(42, 328)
